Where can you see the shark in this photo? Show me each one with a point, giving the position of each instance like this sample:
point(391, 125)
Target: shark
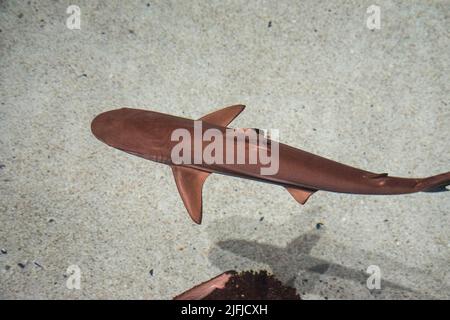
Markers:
point(149, 135)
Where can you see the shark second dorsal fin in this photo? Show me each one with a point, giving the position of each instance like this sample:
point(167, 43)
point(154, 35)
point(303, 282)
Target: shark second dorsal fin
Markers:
point(301, 195)
point(380, 175)
point(223, 117)
point(246, 130)
point(190, 184)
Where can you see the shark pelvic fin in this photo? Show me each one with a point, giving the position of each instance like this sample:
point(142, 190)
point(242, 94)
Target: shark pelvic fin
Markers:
point(224, 116)
point(190, 184)
point(301, 195)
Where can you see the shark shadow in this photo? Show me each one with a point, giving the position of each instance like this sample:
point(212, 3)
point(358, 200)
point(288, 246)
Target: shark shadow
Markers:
point(286, 263)
point(294, 265)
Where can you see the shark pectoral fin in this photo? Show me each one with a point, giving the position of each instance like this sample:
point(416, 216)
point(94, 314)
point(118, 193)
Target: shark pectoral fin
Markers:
point(301, 195)
point(190, 184)
point(224, 116)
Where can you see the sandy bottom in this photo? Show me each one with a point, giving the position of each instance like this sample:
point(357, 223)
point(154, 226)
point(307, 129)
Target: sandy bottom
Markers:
point(72, 208)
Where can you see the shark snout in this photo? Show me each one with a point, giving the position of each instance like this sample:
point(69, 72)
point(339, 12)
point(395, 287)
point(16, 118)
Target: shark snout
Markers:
point(101, 125)
point(107, 125)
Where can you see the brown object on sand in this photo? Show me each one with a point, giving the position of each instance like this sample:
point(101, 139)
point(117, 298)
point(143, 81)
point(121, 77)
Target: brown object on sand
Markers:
point(204, 289)
point(247, 285)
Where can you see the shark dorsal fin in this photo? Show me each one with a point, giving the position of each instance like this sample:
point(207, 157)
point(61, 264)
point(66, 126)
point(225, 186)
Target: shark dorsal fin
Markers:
point(223, 117)
point(299, 194)
point(190, 184)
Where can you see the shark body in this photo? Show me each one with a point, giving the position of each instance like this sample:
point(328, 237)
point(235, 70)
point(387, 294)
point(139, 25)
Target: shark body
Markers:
point(148, 134)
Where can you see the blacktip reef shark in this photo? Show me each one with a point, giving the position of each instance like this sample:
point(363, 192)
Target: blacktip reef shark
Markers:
point(148, 134)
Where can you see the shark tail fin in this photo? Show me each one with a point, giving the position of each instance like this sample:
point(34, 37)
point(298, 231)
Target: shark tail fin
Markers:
point(436, 183)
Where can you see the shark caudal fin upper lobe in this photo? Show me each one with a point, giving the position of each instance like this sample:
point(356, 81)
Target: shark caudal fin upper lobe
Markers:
point(436, 183)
